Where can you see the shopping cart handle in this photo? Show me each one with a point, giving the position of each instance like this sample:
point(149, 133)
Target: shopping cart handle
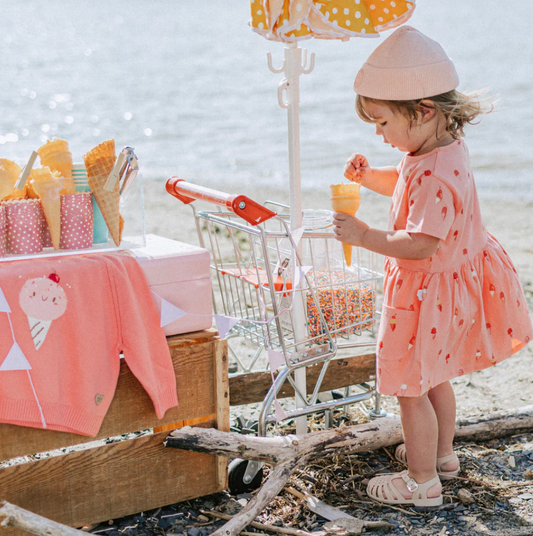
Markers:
point(248, 210)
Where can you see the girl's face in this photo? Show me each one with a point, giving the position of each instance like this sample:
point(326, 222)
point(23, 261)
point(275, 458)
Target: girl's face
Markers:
point(395, 127)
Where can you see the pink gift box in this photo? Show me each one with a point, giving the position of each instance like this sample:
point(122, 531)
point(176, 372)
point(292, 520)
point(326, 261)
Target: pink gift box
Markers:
point(3, 226)
point(24, 218)
point(76, 221)
point(180, 274)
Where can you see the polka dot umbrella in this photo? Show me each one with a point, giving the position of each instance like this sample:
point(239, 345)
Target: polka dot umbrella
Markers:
point(290, 21)
point(294, 20)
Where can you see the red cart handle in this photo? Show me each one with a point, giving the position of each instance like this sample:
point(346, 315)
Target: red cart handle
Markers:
point(248, 210)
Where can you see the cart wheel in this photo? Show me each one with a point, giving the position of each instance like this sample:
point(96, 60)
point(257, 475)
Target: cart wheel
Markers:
point(236, 470)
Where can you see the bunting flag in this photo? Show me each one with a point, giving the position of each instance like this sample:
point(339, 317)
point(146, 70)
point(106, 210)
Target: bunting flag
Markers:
point(4, 306)
point(170, 313)
point(225, 323)
point(280, 414)
point(299, 274)
point(276, 359)
point(15, 360)
point(297, 235)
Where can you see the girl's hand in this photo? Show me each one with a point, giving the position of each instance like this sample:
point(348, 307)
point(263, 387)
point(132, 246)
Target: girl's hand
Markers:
point(357, 169)
point(348, 229)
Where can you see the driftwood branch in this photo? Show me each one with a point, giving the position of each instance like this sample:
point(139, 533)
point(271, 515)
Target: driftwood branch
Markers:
point(14, 516)
point(288, 453)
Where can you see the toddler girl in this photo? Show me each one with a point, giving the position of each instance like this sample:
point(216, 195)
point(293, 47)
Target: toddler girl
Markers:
point(453, 303)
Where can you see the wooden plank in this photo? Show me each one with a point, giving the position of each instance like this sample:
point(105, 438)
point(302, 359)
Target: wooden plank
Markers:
point(131, 409)
point(110, 481)
point(252, 387)
point(222, 405)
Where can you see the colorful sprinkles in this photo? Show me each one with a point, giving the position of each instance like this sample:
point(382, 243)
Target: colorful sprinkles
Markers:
point(347, 305)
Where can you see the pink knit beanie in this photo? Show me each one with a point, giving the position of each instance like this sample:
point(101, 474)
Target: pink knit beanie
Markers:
point(407, 65)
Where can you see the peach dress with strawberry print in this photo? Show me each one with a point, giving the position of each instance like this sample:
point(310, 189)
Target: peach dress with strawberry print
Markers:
point(461, 310)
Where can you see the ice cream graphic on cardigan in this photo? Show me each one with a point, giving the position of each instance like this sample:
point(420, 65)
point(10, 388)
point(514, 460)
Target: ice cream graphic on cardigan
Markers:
point(43, 300)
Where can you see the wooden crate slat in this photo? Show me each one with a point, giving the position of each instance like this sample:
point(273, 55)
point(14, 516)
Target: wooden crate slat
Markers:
point(109, 481)
point(252, 387)
point(131, 409)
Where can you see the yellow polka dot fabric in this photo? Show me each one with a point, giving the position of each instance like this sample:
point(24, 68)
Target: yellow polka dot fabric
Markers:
point(294, 20)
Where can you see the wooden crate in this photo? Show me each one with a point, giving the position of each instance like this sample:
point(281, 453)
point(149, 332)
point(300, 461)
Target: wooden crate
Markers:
point(107, 481)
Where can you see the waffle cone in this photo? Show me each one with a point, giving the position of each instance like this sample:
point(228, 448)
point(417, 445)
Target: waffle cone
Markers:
point(99, 162)
point(9, 173)
point(48, 188)
point(56, 155)
point(345, 198)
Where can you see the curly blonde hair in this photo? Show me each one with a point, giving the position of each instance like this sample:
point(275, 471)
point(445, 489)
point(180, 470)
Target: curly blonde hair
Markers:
point(457, 108)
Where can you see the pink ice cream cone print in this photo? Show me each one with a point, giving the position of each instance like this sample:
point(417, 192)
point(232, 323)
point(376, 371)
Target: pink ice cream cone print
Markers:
point(447, 358)
point(433, 332)
point(438, 197)
point(502, 297)
point(492, 289)
point(393, 322)
point(455, 235)
point(455, 313)
point(478, 355)
point(518, 304)
point(443, 212)
point(510, 332)
point(411, 342)
point(399, 284)
point(439, 304)
point(43, 300)
point(489, 328)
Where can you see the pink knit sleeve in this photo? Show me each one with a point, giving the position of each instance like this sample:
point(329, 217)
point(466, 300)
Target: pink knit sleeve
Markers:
point(143, 340)
point(431, 206)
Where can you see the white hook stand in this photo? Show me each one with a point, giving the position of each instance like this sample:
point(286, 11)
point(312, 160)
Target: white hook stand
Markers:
point(294, 65)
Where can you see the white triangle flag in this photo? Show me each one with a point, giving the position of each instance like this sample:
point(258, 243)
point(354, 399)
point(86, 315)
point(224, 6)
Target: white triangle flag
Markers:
point(300, 273)
point(280, 414)
point(225, 323)
point(4, 306)
point(170, 312)
point(15, 360)
point(276, 359)
point(297, 235)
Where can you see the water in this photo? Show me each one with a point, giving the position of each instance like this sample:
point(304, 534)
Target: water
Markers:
point(187, 84)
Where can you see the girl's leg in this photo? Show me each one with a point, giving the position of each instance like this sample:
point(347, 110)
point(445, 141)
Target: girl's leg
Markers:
point(420, 431)
point(442, 399)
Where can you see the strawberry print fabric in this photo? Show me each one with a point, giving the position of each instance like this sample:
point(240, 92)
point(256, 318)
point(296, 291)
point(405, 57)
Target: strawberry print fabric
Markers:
point(461, 310)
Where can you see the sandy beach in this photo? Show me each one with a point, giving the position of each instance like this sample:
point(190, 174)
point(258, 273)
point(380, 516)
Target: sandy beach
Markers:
point(507, 385)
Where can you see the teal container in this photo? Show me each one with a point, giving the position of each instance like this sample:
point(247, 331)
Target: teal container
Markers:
point(100, 231)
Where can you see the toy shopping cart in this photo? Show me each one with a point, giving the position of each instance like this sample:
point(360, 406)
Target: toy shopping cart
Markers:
point(290, 294)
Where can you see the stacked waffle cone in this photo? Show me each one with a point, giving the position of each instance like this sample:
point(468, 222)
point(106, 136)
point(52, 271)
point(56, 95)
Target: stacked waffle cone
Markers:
point(55, 154)
point(345, 198)
point(99, 162)
point(9, 173)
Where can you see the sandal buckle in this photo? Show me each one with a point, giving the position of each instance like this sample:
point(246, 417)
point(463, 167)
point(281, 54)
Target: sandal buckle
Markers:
point(411, 484)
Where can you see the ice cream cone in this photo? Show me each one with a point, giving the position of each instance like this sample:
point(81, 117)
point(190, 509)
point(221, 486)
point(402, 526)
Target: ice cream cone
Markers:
point(99, 162)
point(9, 173)
point(345, 198)
point(47, 186)
point(38, 329)
point(56, 155)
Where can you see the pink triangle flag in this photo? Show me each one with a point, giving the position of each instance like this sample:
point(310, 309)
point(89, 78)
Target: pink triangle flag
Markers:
point(297, 235)
point(4, 306)
point(276, 359)
point(301, 272)
point(225, 323)
point(280, 414)
point(170, 312)
point(15, 360)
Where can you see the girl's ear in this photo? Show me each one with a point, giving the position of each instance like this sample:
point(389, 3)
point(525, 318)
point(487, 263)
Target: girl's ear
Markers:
point(427, 109)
